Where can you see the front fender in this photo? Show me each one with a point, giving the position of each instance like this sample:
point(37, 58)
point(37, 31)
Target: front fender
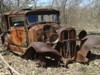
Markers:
point(42, 49)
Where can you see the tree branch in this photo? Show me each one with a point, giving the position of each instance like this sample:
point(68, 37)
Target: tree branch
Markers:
point(8, 65)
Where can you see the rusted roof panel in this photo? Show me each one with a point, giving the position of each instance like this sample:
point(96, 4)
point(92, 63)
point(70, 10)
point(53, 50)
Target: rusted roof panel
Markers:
point(22, 11)
point(43, 11)
point(31, 11)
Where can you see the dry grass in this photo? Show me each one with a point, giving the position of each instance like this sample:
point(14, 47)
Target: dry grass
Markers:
point(29, 67)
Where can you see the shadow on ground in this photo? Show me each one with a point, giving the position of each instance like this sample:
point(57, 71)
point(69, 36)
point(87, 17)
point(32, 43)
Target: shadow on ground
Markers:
point(93, 56)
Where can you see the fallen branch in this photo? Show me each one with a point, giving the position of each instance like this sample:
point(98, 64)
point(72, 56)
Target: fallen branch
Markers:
point(8, 65)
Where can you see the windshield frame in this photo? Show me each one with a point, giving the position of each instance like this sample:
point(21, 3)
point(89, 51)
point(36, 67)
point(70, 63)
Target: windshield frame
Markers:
point(43, 18)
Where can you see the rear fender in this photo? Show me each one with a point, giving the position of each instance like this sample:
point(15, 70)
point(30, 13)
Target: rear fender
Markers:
point(4, 36)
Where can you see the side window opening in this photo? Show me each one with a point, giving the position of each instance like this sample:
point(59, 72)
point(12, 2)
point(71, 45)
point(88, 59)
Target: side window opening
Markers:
point(4, 23)
point(17, 21)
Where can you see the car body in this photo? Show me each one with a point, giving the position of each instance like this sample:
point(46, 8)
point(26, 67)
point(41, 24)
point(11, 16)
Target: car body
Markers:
point(29, 32)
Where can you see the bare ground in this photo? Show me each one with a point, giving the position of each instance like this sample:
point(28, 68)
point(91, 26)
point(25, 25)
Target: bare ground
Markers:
point(29, 67)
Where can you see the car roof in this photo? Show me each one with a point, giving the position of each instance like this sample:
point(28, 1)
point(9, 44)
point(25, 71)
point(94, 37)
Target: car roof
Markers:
point(32, 11)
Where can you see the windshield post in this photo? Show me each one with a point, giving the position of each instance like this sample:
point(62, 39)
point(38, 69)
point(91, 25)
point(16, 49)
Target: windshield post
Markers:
point(26, 31)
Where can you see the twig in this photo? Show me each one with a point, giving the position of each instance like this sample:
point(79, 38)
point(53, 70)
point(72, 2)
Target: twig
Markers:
point(8, 65)
point(10, 71)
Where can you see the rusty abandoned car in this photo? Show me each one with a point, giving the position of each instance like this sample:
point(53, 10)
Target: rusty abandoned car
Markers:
point(37, 34)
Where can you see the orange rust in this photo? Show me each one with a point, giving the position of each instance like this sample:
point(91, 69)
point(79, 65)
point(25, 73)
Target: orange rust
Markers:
point(18, 36)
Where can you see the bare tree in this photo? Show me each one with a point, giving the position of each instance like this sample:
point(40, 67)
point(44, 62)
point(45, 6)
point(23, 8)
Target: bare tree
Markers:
point(73, 12)
point(1, 6)
point(62, 9)
point(17, 3)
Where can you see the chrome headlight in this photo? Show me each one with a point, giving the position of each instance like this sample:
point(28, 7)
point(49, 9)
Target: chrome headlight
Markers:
point(54, 38)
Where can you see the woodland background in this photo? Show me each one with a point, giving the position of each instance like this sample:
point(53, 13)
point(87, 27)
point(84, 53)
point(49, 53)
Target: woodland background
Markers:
point(81, 14)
